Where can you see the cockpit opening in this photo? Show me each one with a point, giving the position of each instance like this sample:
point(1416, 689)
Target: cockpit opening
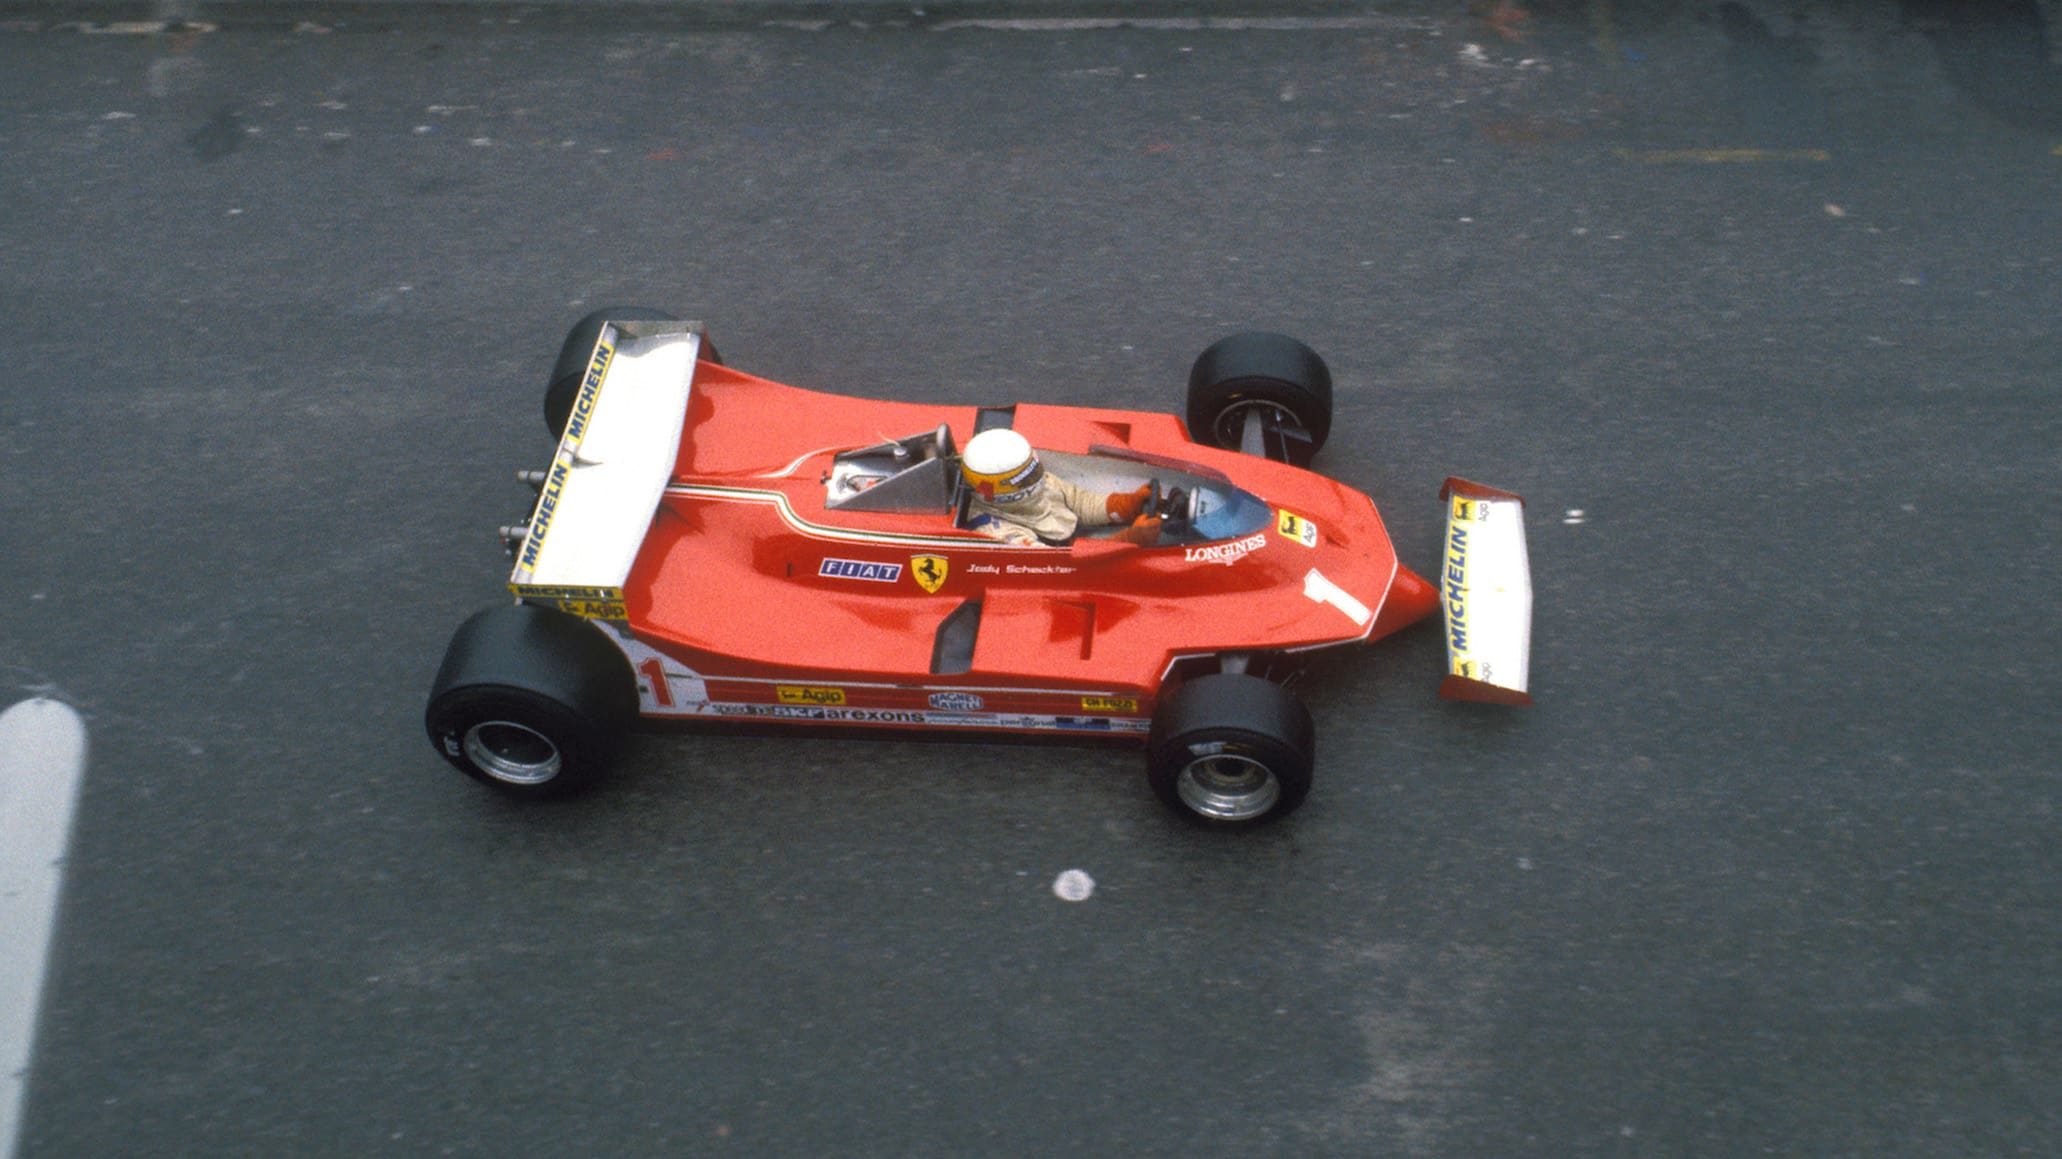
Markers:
point(921, 473)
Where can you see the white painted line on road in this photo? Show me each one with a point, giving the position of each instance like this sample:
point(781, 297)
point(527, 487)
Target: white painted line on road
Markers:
point(1182, 24)
point(42, 758)
point(142, 27)
point(1720, 156)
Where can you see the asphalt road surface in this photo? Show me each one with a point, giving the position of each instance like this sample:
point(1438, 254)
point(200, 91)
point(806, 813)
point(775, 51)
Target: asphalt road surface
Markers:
point(1755, 303)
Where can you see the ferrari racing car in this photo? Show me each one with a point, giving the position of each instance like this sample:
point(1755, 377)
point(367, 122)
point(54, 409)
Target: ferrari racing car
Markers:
point(708, 545)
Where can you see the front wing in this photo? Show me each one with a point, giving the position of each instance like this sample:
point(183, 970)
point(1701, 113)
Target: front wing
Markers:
point(1485, 590)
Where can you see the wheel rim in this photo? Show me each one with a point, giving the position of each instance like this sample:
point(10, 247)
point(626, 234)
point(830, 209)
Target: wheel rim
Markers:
point(511, 752)
point(1228, 787)
point(1231, 421)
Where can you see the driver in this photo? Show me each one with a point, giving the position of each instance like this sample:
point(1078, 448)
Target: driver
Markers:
point(1014, 500)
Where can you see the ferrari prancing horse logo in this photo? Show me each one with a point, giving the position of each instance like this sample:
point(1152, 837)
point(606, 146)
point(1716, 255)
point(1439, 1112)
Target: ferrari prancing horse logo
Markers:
point(929, 571)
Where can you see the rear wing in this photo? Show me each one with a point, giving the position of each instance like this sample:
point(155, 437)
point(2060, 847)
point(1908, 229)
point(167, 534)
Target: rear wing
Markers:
point(1485, 588)
point(612, 465)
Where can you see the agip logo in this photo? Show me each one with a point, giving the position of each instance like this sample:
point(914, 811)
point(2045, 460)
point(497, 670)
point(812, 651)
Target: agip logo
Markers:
point(1296, 529)
point(1471, 510)
point(797, 694)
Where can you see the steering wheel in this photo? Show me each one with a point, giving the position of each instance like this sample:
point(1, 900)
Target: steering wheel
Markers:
point(1175, 507)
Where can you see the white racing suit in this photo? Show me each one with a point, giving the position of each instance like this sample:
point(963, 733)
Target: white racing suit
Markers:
point(1052, 515)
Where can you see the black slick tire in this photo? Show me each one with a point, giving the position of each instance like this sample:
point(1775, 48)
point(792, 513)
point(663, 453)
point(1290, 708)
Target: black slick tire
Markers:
point(1258, 370)
point(1230, 750)
point(530, 700)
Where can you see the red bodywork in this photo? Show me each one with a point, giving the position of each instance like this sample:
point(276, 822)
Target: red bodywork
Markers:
point(733, 613)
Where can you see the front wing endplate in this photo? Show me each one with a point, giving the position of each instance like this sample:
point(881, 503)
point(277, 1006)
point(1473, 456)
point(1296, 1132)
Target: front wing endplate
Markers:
point(1485, 590)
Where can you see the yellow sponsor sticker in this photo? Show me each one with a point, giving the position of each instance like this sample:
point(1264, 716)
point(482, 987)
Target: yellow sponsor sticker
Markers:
point(1124, 704)
point(801, 694)
point(1467, 510)
point(1453, 584)
point(1474, 670)
point(590, 390)
point(594, 609)
point(590, 603)
point(1296, 528)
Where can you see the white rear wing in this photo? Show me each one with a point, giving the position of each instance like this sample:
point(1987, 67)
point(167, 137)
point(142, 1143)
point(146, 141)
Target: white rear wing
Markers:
point(612, 465)
point(1485, 588)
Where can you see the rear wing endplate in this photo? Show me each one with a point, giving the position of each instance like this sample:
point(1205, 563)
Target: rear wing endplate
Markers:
point(613, 462)
point(1485, 589)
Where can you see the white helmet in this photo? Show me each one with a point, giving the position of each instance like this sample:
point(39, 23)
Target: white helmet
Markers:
point(1002, 468)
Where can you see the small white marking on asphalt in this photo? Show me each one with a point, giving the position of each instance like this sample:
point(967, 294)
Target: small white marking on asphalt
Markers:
point(1183, 24)
point(42, 757)
point(1073, 885)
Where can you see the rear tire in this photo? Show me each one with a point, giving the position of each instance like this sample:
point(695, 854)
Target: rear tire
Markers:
point(1273, 374)
point(531, 701)
point(573, 354)
point(1231, 751)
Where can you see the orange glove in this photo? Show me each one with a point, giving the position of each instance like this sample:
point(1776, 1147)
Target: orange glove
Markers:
point(1125, 506)
point(1145, 533)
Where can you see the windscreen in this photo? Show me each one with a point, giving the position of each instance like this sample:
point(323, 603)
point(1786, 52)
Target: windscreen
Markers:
point(1225, 512)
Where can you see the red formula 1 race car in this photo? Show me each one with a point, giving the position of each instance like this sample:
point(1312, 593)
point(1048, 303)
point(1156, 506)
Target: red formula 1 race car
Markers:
point(709, 545)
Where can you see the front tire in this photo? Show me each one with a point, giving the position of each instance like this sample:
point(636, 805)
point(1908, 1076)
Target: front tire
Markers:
point(531, 701)
point(1273, 376)
point(1231, 750)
